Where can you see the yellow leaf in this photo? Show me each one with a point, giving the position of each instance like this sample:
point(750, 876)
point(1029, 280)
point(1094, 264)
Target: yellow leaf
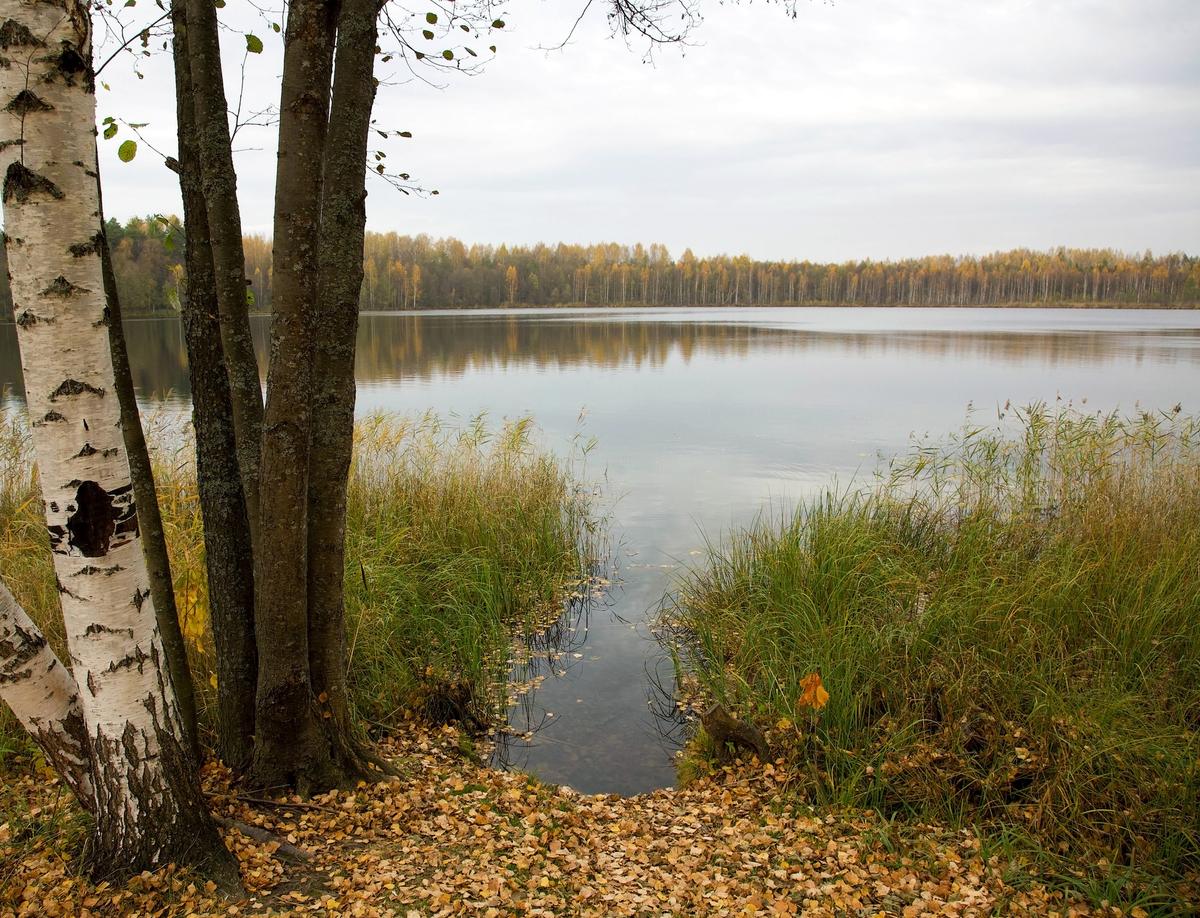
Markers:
point(812, 694)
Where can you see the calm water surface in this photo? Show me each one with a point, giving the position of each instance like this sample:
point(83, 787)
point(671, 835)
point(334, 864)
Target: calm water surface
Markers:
point(703, 418)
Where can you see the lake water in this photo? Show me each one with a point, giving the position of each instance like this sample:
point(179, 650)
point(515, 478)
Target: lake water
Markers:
point(704, 418)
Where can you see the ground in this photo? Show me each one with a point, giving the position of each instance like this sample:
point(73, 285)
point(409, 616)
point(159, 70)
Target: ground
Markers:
point(451, 837)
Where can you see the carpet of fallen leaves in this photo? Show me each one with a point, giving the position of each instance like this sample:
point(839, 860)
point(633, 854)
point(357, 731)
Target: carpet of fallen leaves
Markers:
point(452, 837)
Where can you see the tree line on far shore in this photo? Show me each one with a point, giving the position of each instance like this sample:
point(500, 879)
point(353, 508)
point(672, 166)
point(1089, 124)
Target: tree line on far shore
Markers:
point(413, 272)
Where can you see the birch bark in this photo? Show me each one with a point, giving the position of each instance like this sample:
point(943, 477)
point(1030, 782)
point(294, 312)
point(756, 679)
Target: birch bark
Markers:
point(148, 806)
point(154, 538)
point(44, 697)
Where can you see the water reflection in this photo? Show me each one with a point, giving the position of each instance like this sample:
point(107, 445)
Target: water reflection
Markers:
point(435, 344)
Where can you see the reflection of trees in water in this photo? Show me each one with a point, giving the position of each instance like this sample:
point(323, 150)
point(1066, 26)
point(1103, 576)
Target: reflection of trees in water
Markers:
point(426, 346)
point(423, 346)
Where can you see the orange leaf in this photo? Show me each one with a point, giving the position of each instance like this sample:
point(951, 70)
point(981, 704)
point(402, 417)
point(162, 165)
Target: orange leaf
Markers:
point(812, 694)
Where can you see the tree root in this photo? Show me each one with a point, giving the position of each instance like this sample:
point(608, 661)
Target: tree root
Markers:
point(280, 804)
point(284, 848)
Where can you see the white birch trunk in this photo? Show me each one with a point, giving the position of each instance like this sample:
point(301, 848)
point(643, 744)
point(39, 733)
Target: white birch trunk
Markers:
point(44, 697)
point(142, 782)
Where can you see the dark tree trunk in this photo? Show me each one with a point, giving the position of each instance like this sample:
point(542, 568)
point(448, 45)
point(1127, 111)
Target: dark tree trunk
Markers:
point(211, 117)
point(343, 221)
point(227, 549)
point(154, 540)
point(291, 743)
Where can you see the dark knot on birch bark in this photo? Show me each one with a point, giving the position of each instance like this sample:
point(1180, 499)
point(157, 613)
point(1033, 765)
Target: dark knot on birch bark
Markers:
point(93, 523)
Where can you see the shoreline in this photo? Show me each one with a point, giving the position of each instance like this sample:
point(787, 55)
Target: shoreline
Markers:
point(1174, 307)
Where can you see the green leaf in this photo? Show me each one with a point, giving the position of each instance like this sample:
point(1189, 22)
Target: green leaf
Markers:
point(420, 55)
point(406, 133)
point(127, 151)
point(110, 132)
point(470, 52)
point(428, 34)
point(254, 44)
point(219, 4)
point(431, 18)
point(492, 48)
point(249, 297)
point(498, 24)
point(448, 54)
point(275, 26)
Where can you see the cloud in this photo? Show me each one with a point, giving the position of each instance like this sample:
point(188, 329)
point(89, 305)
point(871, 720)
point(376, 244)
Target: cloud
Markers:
point(858, 129)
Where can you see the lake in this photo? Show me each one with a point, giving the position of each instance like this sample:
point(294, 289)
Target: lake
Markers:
point(703, 418)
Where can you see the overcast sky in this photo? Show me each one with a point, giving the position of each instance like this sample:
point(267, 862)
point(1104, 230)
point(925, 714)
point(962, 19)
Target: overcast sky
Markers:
point(864, 128)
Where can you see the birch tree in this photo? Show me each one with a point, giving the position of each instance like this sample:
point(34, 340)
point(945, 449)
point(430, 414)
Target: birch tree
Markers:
point(43, 697)
point(116, 708)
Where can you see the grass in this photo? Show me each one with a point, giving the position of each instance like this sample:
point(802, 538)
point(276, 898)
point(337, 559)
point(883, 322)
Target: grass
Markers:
point(1008, 626)
point(457, 537)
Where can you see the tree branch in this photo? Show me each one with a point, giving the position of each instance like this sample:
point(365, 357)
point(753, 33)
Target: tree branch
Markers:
point(44, 697)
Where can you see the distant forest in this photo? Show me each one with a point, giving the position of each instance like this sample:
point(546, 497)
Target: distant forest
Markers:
point(412, 272)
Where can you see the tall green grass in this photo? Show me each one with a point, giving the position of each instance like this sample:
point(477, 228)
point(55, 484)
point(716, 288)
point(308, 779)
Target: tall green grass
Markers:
point(457, 538)
point(1008, 626)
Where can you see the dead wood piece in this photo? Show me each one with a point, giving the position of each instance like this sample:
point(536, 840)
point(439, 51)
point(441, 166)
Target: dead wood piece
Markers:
point(264, 801)
point(724, 729)
point(284, 848)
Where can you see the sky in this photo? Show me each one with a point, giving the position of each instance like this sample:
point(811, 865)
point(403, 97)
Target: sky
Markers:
point(858, 129)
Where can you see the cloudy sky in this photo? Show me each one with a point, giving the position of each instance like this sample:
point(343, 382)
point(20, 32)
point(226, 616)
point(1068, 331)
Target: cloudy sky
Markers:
point(861, 128)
